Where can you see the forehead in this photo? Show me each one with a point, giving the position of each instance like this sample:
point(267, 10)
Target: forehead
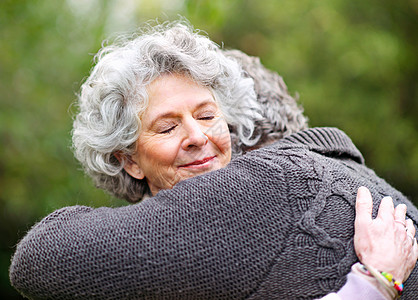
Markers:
point(173, 93)
point(169, 86)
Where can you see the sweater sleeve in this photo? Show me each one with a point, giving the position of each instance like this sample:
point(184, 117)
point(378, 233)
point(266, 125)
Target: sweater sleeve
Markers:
point(356, 287)
point(196, 241)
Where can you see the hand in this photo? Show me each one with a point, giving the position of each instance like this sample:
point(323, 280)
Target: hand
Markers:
point(383, 242)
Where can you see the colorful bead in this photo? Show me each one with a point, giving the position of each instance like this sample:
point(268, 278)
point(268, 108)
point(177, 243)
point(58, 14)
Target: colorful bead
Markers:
point(398, 286)
point(388, 276)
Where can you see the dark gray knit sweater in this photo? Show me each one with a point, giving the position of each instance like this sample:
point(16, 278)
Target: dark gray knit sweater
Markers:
point(276, 223)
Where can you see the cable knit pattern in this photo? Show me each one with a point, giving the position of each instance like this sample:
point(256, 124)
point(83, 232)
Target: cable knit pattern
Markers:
point(277, 223)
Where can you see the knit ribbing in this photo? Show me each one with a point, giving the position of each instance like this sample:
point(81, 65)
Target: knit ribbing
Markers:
point(329, 141)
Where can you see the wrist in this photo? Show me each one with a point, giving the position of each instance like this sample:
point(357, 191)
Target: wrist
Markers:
point(383, 281)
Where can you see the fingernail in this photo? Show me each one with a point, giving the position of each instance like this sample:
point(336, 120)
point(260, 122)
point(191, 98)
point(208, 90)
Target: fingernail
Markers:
point(362, 192)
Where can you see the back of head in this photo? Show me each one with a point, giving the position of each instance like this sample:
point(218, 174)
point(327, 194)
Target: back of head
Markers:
point(281, 114)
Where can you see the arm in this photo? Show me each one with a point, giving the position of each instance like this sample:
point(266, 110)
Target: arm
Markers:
point(196, 240)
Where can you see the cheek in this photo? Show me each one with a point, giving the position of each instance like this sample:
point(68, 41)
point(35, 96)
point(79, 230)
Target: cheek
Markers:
point(161, 152)
point(164, 153)
point(226, 142)
point(220, 136)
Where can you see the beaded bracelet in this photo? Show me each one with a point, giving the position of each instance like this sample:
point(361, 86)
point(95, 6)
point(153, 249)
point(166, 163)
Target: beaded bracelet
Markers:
point(385, 279)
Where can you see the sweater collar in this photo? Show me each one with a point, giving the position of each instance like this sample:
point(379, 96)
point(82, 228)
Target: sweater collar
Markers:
point(327, 141)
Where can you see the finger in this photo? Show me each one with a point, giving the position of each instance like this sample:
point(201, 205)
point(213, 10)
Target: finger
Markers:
point(400, 213)
point(410, 227)
point(386, 209)
point(415, 250)
point(410, 232)
point(364, 205)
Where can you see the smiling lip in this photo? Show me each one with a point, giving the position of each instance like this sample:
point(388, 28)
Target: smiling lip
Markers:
point(198, 162)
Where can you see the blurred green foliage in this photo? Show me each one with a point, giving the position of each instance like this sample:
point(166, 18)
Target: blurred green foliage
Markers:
point(353, 63)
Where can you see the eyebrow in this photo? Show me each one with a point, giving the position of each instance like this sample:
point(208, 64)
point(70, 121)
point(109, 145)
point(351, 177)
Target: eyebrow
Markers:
point(170, 114)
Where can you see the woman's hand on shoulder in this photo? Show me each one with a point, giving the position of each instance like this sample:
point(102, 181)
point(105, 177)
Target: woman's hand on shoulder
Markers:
point(387, 242)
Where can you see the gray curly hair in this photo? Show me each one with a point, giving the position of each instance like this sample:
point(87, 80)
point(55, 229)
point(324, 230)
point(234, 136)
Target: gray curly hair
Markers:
point(114, 97)
point(281, 114)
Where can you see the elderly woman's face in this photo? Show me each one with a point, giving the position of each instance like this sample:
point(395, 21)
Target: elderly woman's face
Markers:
point(183, 134)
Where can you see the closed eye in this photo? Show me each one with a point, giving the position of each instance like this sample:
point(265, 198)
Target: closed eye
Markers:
point(207, 118)
point(168, 130)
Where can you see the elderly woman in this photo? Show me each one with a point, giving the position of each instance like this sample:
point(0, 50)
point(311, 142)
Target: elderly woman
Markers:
point(155, 112)
point(169, 105)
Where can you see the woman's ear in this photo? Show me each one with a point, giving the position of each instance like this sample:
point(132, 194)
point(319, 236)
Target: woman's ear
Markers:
point(130, 165)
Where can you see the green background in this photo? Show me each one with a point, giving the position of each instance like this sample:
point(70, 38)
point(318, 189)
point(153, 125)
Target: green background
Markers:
point(354, 65)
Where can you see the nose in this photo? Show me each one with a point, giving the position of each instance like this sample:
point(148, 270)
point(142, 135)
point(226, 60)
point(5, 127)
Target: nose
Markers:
point(194, 135)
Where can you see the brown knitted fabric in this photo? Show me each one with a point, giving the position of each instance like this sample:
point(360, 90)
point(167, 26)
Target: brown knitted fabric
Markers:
point(276, 223)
